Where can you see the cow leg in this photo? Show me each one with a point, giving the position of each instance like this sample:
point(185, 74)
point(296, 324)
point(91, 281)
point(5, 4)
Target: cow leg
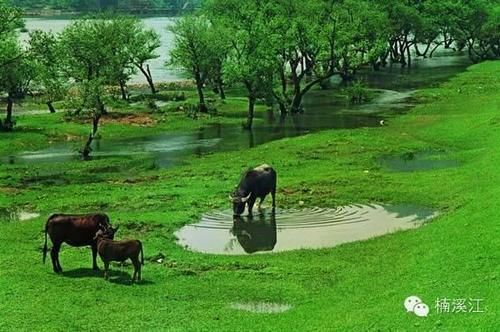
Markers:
point(106, 269)
point(273, 195)
point(251, 202)
point(137, 269)
point(260, 202)
point(94, 258)
point(54, 255)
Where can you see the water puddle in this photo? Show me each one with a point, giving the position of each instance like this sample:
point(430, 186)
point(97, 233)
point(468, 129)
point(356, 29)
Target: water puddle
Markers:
point(9, 215)
point(417, 161)
point(262, 307)
point(312, 228)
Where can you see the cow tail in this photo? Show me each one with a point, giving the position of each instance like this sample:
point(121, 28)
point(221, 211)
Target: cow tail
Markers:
point(45, 245)
point(142, 253)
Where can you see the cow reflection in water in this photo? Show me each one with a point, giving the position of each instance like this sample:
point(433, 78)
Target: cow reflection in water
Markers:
point(255, 233)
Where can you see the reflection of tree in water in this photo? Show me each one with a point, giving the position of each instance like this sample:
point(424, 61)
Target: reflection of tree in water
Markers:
point(251, 139)
point(256, 233)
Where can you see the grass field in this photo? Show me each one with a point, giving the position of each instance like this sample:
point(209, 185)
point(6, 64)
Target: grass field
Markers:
point(357, 286)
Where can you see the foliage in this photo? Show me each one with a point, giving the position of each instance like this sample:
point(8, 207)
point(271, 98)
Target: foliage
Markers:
point(192, 50)
point(478, 28)
point(16, 70)
point(357, 92)
point(45, 51)
point(141, 45)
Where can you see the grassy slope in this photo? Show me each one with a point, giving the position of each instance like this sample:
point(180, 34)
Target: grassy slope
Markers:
point(357, 286)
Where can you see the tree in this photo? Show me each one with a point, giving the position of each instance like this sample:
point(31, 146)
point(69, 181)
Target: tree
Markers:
point(250, 60)
point(45, 51)
point(89, 48)
point(15, 79)
point(125, 30)
point(10, 20)
point(142, 48)
point(15, 72)
point(195, 50)
point(318, 40)
point(478, 28)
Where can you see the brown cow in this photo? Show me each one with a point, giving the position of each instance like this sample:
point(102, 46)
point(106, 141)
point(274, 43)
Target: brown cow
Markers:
point(119, 251)
point(75, 230)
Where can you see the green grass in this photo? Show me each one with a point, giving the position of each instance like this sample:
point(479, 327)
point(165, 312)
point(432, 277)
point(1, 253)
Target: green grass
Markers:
point(356, 286)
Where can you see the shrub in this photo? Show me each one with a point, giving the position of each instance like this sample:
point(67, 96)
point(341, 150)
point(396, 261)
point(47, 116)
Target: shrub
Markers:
point(357, 93)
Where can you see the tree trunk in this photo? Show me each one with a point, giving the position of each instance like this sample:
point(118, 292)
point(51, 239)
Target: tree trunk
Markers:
point(222, 93)
point(8, 125)
point(151, 84)
point(417, 51)
point(296, 102)
point(199, 87)
point(87, 149)
point(251, 107)
point(51, 107)
point(123, 89)
point(296, 106)
point(147, 73)
point(448, 40)
point(409, 56)
point(100, 107)
point(433, 50)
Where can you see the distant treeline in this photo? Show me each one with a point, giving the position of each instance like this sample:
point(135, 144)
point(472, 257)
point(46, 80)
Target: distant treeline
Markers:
point(131, 6)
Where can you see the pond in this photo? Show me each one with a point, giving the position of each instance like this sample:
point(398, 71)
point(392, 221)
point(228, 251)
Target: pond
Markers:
point(417, 161)
point(310, 228)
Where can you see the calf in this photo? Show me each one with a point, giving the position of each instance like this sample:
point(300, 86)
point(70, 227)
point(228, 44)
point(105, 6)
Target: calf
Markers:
point(119, 251)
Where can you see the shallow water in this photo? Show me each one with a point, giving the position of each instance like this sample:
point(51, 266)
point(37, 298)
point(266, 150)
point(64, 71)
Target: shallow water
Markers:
point(313, 228)
point(417, 161)
point(394, 88)
point(262, 307)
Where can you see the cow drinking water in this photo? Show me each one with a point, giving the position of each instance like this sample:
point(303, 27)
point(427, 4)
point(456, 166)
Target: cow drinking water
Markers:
point(255, 183)
point(119, 251)
point(75, 230)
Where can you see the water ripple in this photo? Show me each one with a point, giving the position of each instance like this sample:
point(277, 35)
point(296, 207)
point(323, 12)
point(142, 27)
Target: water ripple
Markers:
point(281, 230)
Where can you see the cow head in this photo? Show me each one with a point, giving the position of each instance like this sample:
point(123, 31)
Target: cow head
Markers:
point(239, 203)
point(107, 233)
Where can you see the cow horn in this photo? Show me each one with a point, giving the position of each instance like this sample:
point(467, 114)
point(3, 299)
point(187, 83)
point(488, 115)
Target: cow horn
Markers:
point(244, 199)
point(248, 235)
point(230, 197)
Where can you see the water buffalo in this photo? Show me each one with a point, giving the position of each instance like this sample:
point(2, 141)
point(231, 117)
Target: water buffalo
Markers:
point(258, 235)
point(75, 230)
point(255, 183)
point(119, 251)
